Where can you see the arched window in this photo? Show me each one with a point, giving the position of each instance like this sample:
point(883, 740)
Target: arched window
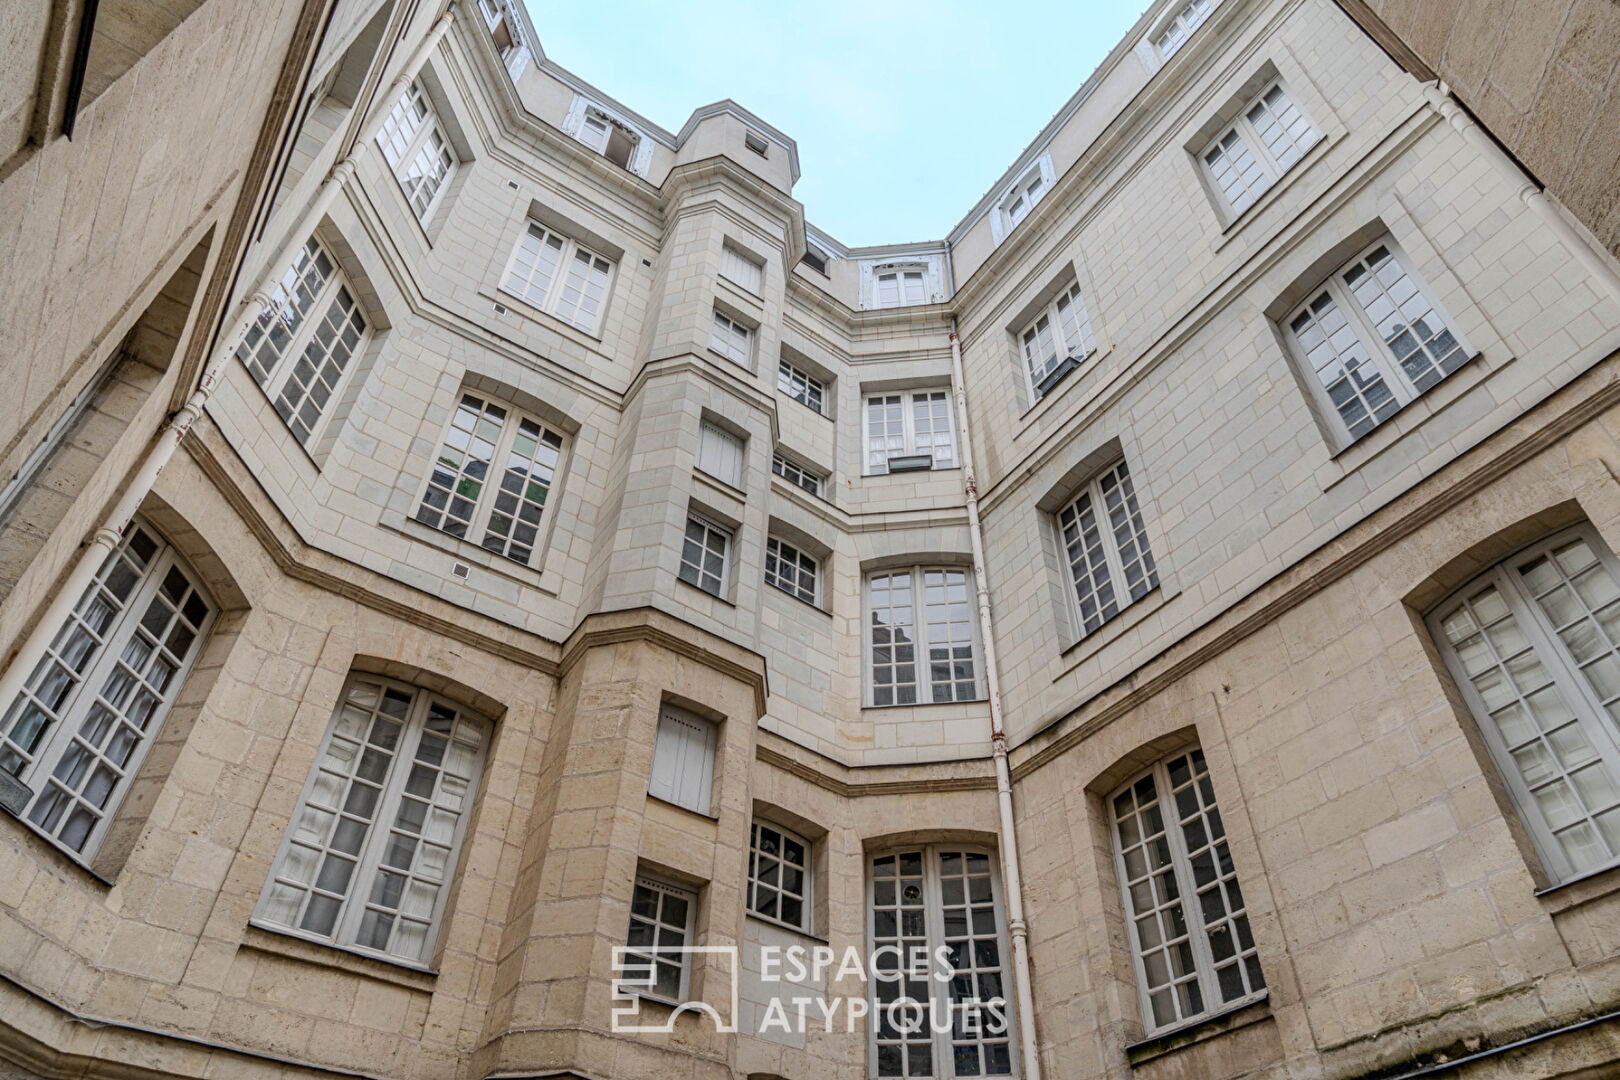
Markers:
point(1532, 644)
point(81, 726)
point(930, 1019)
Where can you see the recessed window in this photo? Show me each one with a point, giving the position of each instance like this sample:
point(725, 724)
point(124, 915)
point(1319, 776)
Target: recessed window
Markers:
point(1057, 341)
point(932, 898)
point(313, 315)
point(900, 287)
point(1179, 29)
point(720, 454)
point(558, 276)
point(815, 260)
point(655, 960)
point(731, 339)
point(800, 385)
point(683, 760)
point(1024, 195)
point(921, 631)
point(779, 875)
point(1268, 139)
point(909, 430)
point(608, 137)
point(492, 478)
point(793, 571)
point(368, 857)
point(414, 143)
point(79, 729)
point(1372, 341)
point(796, 474)
point(1106, 543)
point(756, 143)
point(1534, 645)
point(704, 551)
point(740, 269)
point(1189, 925)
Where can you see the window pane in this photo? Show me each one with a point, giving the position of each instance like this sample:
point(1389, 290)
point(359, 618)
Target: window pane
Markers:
point(703, 555)
point(1341, 364)
point(893, 640)
point(1129, 533)
point(1088, 564)
point(534, 266)
point(948, 610)
point(268, 339)
point(1282, 128)
point(1235, 171)
point(790, 570)
point(1422, 344)
point(313, 381)
point(456, 482)
point(520, 500)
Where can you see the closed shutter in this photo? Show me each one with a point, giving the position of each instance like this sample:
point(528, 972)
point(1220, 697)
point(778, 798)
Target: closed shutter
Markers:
point(740, 269)
point(683, 760)
point(720, 454)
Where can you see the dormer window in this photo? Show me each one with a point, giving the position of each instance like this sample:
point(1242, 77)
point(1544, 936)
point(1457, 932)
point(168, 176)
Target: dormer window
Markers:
point(901, 286)
point(609, 138)
point(1023, 198)
point(1179, 29)
point(1017, 201)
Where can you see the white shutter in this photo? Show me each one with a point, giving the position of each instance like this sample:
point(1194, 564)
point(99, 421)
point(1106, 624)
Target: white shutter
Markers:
point(739, 268)
point(720, 454)
point(683, 760)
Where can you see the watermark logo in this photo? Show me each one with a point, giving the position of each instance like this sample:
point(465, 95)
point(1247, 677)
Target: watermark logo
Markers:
point(638, 975)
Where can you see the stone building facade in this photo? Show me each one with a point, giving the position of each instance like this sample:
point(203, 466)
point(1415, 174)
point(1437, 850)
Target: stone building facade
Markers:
point(463, 540)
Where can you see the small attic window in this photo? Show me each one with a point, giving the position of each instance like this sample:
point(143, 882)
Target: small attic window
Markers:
point(608, 138)
point(755, 142)
point(816, 261)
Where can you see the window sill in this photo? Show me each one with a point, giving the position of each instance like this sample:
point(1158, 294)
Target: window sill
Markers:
point(518, 305)
point(69, 859)
point(722, 486)
point(697, 588)
point(281, 941)
point(1594, 885)
point(803, 405)
point(468, 552)
point(660, 800)
point(1243, 1014)
point(752, 299)
point(1062, 390)
point(1348, 460)
point(740, 365)
point(1123, 620)
point(770, 588)
point(789, 927)
point(925, 705)
point(911, 472)
point(789, 487)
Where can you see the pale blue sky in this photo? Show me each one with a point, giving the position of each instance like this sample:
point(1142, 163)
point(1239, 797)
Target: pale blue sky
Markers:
point(904, 113)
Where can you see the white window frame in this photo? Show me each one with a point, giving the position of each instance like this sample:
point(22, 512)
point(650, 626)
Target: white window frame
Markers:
point(800, 476)
point(904, 294)
point(682, 771)
point(597, 129)
point(1132, 573)
point(787, 565)
point(1192, 801)
point(721, 454)
point(662, 951)
point(920, 628)
point(567, 289)
point(907, 435)
point(741, 268)
point(1369, 342)
point(387, 830)
point(303, 301)
point(732, 338)
point(505, 498)
point(1019, 200)
point(1552, 743)
point(917, 983)
point(1271, 167)
point(44, 450)
point(801, 386)
point(1067, 329)
point(766, 889)
point(1177, 31)
point(94, 648)
point(418, 150)
point(694, 573)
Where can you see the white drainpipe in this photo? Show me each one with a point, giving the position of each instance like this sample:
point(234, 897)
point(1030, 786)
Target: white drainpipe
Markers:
point(1012, 879)
point(175, 427)
point(1598, 265)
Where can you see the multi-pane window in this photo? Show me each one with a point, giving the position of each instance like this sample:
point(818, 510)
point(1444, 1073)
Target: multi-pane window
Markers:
point(720, 454)
point(77, 732)
point(64, 428)
point(779, 875)
point(372, 846)
point(920, 644)
point(731, 339)
point(491, 480)
point(1373, 341)
point(925, 899)
point(1535, 646)
point(740, 269)
point(1025, 194)
point(1189, 927)
point(612, 140)
point(793, 571)
point(555, 275)
point(1106, 543)
point(1268, 139)
point(796, 474)
point(1179, 29)
point(415, 146)
point(909, 429)
point(683, 760)
point(299, 349)
point(800, 385)
point(704, 550)
point(1060, 333)
point(654, 960)
point(901, 288)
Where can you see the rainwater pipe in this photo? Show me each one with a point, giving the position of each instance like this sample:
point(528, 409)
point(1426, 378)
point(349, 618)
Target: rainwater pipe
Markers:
point(1443, 102)
point(1008, 835)
point(258, 302)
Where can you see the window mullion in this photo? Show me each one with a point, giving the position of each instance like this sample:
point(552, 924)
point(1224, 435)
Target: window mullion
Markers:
point(1110, 542)
point(1192, 909)
point(382, 824)
point(1388, 365)
point(919, 623)
point(1258, 149)
point(938, 992)
point(497, 469)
